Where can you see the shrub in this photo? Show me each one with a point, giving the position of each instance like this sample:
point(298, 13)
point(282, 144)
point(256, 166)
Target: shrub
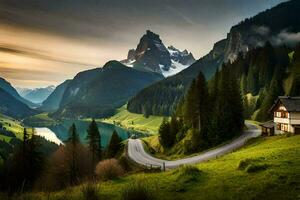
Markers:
point(252, 165)
point(124, 163)
point(187, 173)
point(243, 164)
point(90, 191)
point(109, 169)
point(137, 191)
point(256, 167)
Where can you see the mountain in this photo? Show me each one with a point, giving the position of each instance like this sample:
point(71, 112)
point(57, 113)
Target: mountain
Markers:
point(12, 107)
point(98, 92)
point(52, 102)
point(6, 86)
point(37, 95)
point(279, 25)
point(152, 55)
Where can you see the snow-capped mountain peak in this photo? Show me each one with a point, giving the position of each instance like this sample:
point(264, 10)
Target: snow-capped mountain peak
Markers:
point(152, 55)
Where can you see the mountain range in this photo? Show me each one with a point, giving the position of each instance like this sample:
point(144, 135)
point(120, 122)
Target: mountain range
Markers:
point(98, 92)
point(280, 25)
point(36, 95)
point(152, 55)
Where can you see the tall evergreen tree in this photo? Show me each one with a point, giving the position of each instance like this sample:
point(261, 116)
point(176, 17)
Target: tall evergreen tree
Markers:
point(114, 145)
point(94, 142)
point(71, 145)
point(165, 133)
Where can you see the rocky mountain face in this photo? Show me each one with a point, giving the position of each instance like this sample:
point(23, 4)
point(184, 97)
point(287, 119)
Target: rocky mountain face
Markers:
point(53, 101)
point(98, 92)
point(152, 55)
point(36, 95)
point(279, 25)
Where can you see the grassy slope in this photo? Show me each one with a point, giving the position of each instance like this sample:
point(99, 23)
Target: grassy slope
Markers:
point(221, 178)
point(135, 121)
point(40, 120)
point(11, 125)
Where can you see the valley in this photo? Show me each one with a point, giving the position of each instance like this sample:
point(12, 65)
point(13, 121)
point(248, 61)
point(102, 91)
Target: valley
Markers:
point(79, 119)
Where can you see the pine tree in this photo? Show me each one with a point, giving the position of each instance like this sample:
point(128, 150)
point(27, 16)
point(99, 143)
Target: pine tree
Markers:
point(71, 145)
point(164, 133)
point(94, 142)
point(114, 145)
point(190, 106)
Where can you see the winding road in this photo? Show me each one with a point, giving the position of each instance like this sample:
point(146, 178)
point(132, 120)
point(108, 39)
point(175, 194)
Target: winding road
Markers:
point(137, 153)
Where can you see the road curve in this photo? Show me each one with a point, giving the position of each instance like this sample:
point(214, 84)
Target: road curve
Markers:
point(137, 153)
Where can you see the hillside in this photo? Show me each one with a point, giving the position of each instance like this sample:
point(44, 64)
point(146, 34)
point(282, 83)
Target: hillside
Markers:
point(10, 106)
point(161, 98)
point(267, 168)
point(98, 92)
point(138, 122)
point(6, 86)
point(52, 102)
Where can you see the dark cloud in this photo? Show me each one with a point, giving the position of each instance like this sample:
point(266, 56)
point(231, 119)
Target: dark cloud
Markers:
point(86, 33)
point(33, 53)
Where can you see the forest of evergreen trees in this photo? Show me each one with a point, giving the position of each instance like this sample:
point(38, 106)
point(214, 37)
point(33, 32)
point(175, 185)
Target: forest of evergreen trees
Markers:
point(213, 112)
point(262, 75)
point(206, 116)
point(69, 164)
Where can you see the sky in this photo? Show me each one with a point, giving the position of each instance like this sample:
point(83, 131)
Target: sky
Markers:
point(44, 42)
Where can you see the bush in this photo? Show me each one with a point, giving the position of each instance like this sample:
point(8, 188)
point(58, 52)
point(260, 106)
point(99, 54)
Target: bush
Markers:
point(137, 191)
point(187, 174)
point(243, 164)
point(90, 191)
point(252, 165)
point(256, 167)
point(109, 169)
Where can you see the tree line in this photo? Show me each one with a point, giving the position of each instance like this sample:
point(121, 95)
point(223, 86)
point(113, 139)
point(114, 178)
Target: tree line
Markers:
point(70, 164)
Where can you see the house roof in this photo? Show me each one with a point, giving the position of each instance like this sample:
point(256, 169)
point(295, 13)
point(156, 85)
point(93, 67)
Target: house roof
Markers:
point(268, 124)
point(291, 104)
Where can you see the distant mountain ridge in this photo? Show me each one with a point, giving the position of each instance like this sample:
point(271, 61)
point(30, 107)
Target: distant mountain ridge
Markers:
point(36, 95)
point(53, 100)
point(280, 25)
point(6, 86)
point(152, 55)
point(98, 92)
point(12, 107)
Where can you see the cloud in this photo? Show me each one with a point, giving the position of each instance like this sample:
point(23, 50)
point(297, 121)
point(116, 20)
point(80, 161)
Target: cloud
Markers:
point(288, 38)
point(36, 54)
point(262, 30)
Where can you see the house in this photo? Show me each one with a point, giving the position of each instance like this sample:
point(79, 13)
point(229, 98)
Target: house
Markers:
point(267, 128)
point(286, 112)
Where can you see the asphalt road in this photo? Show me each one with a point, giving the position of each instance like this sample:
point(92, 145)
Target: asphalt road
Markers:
point(137, 153)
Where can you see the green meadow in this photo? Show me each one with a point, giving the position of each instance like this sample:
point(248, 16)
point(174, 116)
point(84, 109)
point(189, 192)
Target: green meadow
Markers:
point(265, 168)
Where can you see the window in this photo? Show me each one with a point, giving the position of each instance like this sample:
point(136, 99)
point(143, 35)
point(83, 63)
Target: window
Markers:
point(282, 127)
point(281, 114)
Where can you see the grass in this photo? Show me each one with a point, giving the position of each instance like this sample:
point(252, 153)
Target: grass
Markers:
point(221, 178)
point(11, 125)
point(138, 122)
point(40, 120)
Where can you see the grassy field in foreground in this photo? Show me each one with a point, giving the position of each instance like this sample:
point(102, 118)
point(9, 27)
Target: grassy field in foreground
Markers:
point(266, 168)
point(134, 121)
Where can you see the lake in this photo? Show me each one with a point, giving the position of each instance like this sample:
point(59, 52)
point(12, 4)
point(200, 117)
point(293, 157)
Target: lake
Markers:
point(60, 133)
